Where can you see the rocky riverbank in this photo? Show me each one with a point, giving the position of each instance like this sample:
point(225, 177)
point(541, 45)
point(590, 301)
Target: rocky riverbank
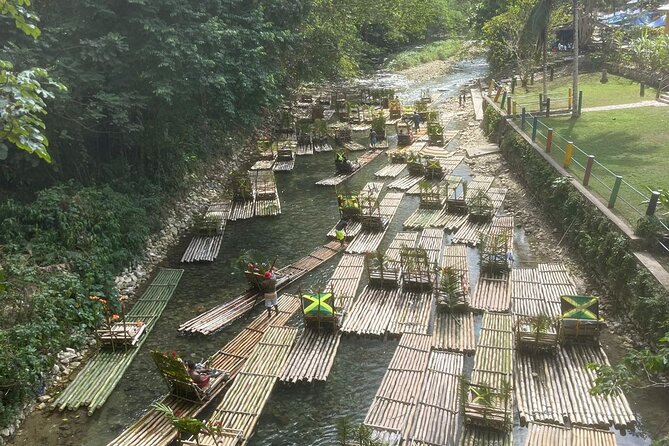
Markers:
point(204, 188)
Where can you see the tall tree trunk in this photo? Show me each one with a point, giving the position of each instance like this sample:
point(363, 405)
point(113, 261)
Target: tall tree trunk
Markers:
point(544, 56)
point(574, 104)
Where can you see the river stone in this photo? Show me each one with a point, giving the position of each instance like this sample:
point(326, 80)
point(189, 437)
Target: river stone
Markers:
point(41, 406)
point(44, 398)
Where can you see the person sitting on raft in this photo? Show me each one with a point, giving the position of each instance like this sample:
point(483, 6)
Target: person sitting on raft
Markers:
point(199, 375)
point(269, 291)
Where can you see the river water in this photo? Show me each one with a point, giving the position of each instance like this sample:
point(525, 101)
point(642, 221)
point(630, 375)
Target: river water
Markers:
point(300, 414)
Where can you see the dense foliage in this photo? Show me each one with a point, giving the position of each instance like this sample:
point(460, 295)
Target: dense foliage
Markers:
point(56, 252)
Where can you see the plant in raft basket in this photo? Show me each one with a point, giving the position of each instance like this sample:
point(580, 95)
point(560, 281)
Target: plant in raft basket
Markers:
point(482, 395)
point(540, 324)
point(452, 294)
point(189, 426)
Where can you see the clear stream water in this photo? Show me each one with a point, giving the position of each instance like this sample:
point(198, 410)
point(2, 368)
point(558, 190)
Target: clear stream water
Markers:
point(299, 414)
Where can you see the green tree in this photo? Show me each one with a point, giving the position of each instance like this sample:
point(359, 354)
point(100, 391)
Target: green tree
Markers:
point(22, 93)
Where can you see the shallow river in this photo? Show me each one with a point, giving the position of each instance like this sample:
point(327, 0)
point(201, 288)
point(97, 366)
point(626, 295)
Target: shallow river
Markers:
point(302, 414)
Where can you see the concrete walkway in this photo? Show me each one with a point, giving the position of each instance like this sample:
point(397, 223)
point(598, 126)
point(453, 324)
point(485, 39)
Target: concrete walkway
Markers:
point(651, 103)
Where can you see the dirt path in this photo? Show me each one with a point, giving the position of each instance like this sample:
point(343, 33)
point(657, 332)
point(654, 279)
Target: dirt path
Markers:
point(625, 106)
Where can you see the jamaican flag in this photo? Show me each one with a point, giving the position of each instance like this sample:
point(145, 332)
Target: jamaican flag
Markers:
point(318, 304)
point(580, 307)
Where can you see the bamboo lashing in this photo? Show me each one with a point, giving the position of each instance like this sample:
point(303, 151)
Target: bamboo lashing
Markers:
point(554, 387)
point(267, 201)
point(224, 314)
point(154, 429)
point(402, 239)
point(555, 282)
point(453, 332)
point(96, 381)
point(392, 408)
point(545, 434)
point(284, 166)
point(422, 218)
point(526, 295)
point(243, 403)
point(346, 276)
point(436, 418)
point(362, 160)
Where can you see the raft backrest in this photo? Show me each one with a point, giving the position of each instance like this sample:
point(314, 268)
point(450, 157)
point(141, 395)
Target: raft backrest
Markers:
point(176, 375)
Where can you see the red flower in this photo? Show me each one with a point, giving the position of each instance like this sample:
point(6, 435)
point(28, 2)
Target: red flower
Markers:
point(174, 354)
point(115, 317)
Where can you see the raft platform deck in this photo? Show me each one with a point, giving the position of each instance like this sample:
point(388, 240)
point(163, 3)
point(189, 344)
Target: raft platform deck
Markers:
point(454, 332)
point(369, 241)
point(493, 293)
point(545, 434)
point(242, 405)
point(313, 355)
point(555, 388)
point(362, 160)
point(154, 429)
point(96, 381)
point(222, 315)
point(390, 171)
point(392, 409)
point(205, 248)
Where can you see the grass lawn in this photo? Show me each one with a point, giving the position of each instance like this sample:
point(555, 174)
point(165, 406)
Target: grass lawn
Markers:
point(617, 90)
point(633, 143)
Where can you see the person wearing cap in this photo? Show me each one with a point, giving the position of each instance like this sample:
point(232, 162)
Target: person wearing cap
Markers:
point(269, 290)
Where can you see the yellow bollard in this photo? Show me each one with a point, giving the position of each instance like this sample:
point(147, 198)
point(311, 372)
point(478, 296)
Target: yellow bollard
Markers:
point(568, 153)
point(570, 99)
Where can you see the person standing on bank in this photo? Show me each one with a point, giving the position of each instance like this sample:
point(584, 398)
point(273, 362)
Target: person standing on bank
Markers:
point(372, 138)
point(269, 291)
point(416, 120)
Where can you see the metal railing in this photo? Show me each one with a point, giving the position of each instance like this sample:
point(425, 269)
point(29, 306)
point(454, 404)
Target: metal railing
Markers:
point(619, 195)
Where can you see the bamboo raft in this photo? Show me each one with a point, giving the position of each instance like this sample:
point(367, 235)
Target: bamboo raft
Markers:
point(242, 210)
point(555, 282)
point(322, 147)
point(224, 314)
point(493, 367)
point(346, 276)
point(454, 332)
point(402, 239)
point(154, 429)
point(492, 293)
point(390, 171)
point(266, 195)
point(470, 232)
point(405, 183)
point(362, 160)
point(315, 350)
point(372, 312)
point(393, 406)
point(431, 240)
point(449, 221)
point(440, 151)
point(422, 218)
point(263, 165)
point(352, 229)
point(436, 419)
point(526, 297)
point(284, 166)
point(312, 357)
point(555, 388)
point(478, 436)
point(206, 248)
point(354, 146)
point(304, 149)
point(546, 434)
point(242, 405)
point(96, 381)
point(369, 241)
point(456, 258)
point(412, 313)
point(448, 184)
